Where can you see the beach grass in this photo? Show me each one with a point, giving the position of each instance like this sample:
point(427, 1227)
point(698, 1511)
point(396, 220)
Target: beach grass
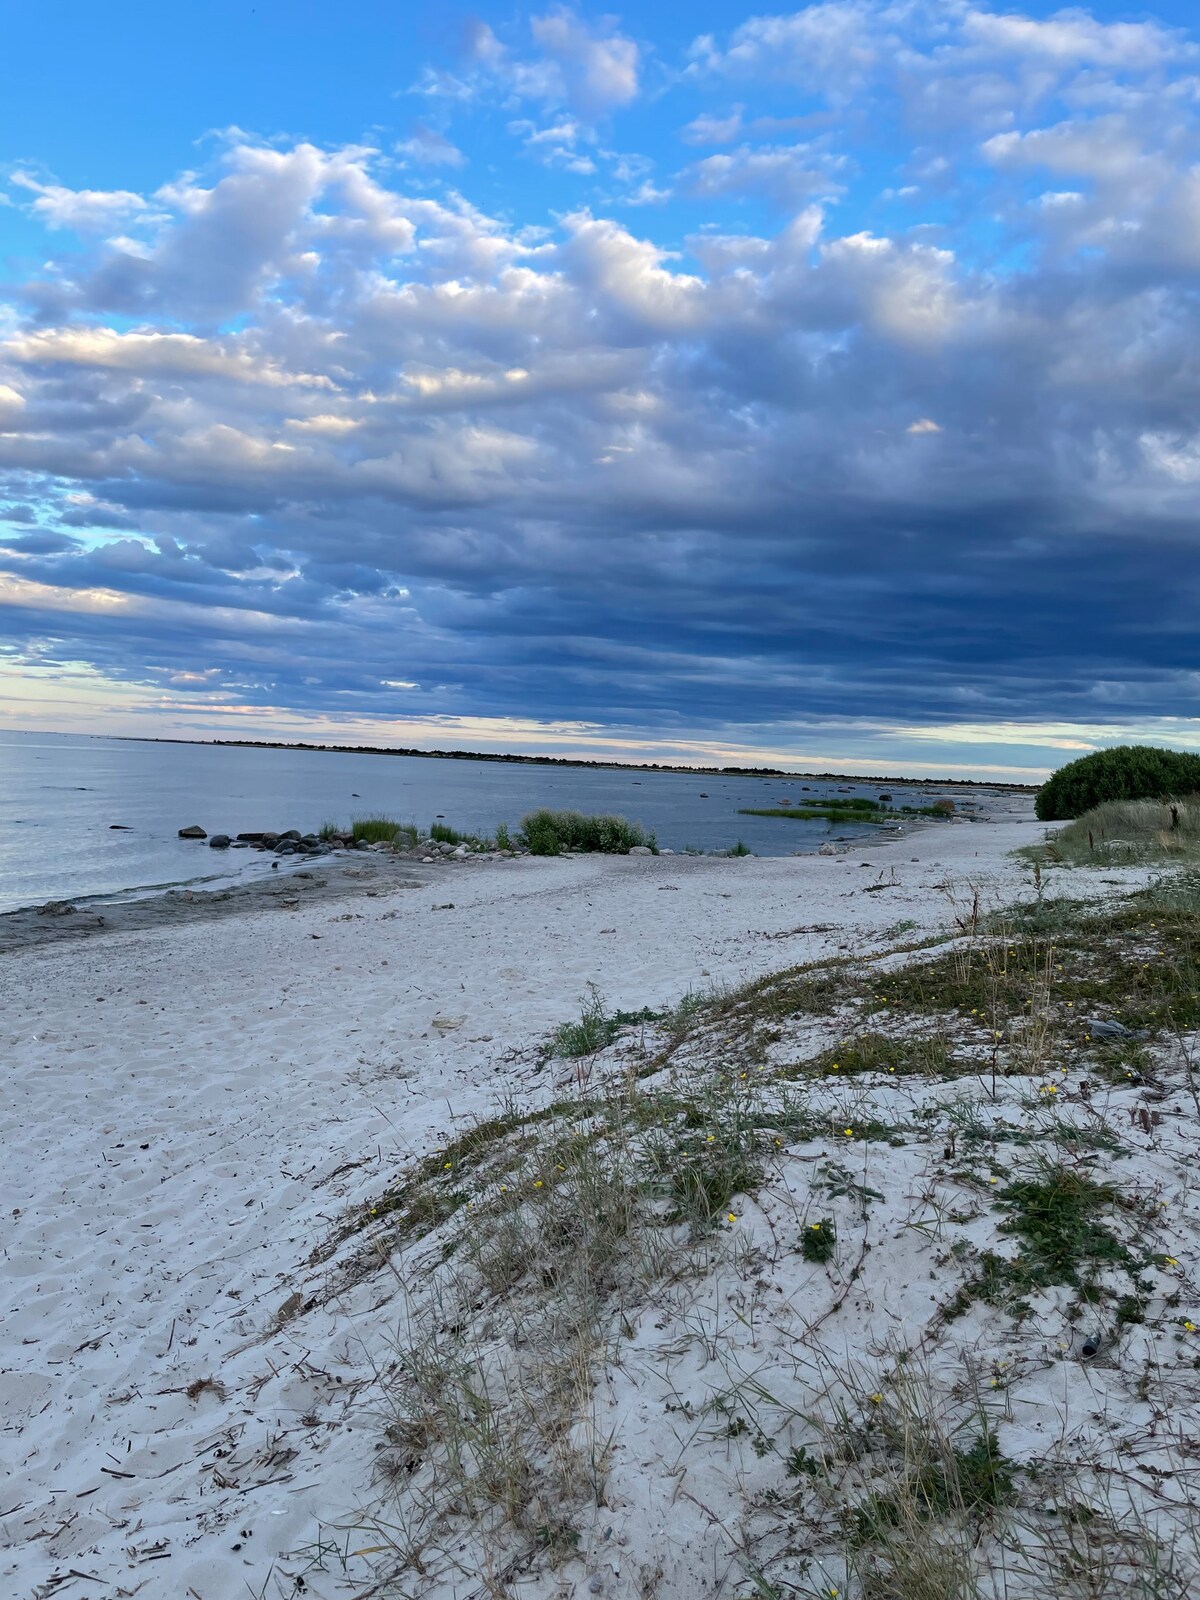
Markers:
point(384, 830)
point(1125, 833)
point(549, 833)
point(851, 809)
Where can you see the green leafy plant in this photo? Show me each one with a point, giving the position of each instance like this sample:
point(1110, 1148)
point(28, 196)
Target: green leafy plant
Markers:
point(1127, 772)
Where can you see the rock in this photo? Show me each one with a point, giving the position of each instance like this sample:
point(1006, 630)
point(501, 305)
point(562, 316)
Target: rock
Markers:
point(250, 838)
point(194, 832)
point(828, 849)
point(944, 808)
point(220, 841)
point(460, 853)
point(640, 850)
point(1099, 1028)
point(269, 841)
point(56, 908)
point(119, 827)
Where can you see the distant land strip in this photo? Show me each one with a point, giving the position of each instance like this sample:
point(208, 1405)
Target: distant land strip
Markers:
point(579, 761)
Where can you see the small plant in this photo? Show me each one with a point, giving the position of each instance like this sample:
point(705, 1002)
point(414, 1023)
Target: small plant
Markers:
point(328, 829)
point(503, 840)
point(819, 1241)
point(440, 833)
point(741, 848)
point(596, 1027)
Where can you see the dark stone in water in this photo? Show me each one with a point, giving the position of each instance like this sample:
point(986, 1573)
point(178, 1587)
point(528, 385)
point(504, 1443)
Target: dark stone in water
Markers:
point(219, 841)
point(194, 832)
point(250, 838)
point(119, 827)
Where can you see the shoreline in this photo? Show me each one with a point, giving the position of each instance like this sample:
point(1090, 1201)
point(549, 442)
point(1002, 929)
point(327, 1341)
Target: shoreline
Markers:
point(368, 873)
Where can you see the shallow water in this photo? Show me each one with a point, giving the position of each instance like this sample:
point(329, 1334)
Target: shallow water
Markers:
point(60, 794)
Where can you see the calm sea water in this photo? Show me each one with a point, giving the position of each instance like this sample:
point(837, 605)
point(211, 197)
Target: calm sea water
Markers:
point(60, 794)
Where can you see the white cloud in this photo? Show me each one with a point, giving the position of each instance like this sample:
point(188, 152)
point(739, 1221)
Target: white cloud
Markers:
point(429, 148)
point(923, 425)
point(589, 69)
point(786, 174)
point(710, 129)
point(83, 210)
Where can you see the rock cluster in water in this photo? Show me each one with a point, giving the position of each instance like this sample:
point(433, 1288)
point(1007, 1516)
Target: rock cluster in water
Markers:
point(294, 843)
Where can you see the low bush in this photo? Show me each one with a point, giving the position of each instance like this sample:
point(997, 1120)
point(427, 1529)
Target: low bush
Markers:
point(548, 833)
point(1127, 772)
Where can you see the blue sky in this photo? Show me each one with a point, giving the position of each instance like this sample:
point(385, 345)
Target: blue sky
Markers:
point(813, 386)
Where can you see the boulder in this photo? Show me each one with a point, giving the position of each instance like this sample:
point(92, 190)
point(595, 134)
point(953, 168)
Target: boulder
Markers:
point(640, 850)
point(250, 838)
point(194, 832)
point(944, 808)
point(269, 841)
point(828, 849)
point(220, 841)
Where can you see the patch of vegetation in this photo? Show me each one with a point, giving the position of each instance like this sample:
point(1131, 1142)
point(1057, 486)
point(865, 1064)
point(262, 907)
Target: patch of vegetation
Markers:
point(503, 839)
point(741, 848)
point(1058, 1216)
point(851, 808)
point(701, 1174)
point(441, 833)
point(1122, 832)
point(596, 1027)
point(819, 1241)
point(1127, 772)
point(384, 830)
point(959, 1482)
point(879, 1052)
point(549, 833)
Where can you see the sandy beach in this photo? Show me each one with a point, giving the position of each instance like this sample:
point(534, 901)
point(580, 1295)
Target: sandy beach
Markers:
point(193, 1106)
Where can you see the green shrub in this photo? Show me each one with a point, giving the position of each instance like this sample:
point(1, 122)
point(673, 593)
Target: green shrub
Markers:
point(547, 833)
point(445, 835)
point(503, 839)
point(1128, 772)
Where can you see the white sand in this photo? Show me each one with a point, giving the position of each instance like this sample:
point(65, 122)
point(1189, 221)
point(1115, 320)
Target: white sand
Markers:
point(188, 1112)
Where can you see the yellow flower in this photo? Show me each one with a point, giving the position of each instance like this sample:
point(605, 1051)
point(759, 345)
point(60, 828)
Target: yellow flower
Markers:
point(834, 1067)
point(537, 1183)
point(815, 1226)
point(1170, 1261)
point(876, 1399)
point(732, 1215)
point(849, 1132)
point(447, 1166)
point(1190, 1326)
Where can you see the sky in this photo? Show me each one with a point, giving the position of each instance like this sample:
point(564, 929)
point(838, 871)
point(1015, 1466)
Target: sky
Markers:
point(702, 383)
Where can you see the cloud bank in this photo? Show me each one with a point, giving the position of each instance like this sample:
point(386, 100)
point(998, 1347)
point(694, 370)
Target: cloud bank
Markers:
point(886, 416)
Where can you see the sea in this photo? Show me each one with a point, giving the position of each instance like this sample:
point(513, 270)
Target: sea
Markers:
point(85, 817)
